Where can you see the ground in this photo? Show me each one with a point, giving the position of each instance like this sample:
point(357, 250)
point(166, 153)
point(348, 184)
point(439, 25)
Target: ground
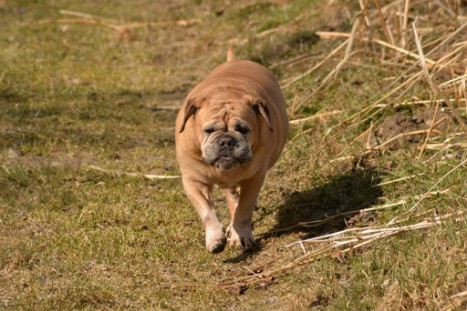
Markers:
point(89, 92)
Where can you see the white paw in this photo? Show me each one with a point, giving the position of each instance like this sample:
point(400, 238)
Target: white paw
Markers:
point(215, 239)
point(240, 237)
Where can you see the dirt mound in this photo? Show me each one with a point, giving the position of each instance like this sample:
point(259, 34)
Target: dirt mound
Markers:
point(401, 128)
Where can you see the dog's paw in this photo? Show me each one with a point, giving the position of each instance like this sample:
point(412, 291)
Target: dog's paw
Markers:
point(215, 240)
point(241, 237)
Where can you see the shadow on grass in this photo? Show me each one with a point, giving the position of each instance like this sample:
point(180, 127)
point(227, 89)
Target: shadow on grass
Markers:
point(353, 191)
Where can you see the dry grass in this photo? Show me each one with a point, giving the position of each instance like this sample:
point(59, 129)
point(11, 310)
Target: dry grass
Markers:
point(92, 214)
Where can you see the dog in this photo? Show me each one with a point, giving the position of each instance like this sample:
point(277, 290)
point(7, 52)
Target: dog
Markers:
point(230, 130)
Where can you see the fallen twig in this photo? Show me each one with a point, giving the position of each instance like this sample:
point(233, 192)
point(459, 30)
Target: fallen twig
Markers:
point(148, 176)
point(88, 19)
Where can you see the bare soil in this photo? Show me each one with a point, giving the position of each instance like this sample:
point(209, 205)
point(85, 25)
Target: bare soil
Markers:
point(408, 127)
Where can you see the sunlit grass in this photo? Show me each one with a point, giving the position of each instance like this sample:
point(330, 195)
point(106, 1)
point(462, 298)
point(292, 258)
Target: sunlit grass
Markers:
point(81, 106)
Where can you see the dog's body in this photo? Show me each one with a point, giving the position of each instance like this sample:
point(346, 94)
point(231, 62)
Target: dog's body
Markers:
point(230, 130)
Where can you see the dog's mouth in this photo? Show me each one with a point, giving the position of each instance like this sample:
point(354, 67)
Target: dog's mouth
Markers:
point(226, 153)
point(226, 162)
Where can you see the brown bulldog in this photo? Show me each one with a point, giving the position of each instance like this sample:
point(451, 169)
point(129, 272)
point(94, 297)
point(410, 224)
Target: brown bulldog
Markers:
point(230, 130)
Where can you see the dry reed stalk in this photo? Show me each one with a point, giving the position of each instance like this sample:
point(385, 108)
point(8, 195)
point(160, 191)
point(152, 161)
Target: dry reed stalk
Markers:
point(432, 187)
point(408, 84)
point(372, 233)
point(381, 146)
point(403, 41)
point(423, 214)
point(460, 79)
point(385, 105)
point(456, 301)
point(330, 76)
point(282, 27)
point(432, 193)
point(328, 35)
point(444, 64)
point(433, 86)
point(364, 10)
point(396, 90)
point(425, 102)
point(148, 176)
point(293, 61)
point(463, 92)
point(387, 33)
point(271, 31)
point(319, 222)
point(368, 138)
point(414, 78)
point(396, 180)
point(397, 30)
point(342, 159)
point(425, 195)
point(447, 39)
point(432, 126)
point(445, 8)
point(308, 72)
point(428, 20)
point(403, 202)
point(352, 239)
point(316, 116)
point(444, 146)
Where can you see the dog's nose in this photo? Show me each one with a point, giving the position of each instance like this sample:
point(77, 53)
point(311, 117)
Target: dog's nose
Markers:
point(226, 142)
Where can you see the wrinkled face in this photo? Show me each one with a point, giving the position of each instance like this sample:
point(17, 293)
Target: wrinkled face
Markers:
point(227, 133)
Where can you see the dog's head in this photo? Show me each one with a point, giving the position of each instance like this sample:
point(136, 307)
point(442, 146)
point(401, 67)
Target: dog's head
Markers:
point(227, 131)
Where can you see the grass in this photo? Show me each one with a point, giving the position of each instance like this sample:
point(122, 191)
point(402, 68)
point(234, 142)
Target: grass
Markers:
point(74, 97)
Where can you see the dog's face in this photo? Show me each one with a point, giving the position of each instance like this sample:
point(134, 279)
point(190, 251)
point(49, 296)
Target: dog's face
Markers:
point(227, 132)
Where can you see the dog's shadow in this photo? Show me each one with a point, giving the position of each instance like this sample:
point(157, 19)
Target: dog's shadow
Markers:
point(355, 190)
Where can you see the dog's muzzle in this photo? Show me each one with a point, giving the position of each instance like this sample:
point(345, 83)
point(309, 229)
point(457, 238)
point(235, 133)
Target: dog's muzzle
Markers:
point(227, 152)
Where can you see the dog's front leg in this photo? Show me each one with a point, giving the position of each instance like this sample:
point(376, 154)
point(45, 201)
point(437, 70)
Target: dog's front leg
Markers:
point(240, 229)
point(200, 196)
point(232, 199)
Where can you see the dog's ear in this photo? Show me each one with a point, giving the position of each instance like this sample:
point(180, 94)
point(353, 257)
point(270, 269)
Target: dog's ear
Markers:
point(191, 106)
point(261, 107)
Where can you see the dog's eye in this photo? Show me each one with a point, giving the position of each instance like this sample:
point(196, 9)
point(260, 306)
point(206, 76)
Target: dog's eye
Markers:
point(209, 130)
point(242, 129)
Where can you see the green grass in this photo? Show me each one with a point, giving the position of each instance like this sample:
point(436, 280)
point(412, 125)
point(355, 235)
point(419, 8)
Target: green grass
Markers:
point(74, 97)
